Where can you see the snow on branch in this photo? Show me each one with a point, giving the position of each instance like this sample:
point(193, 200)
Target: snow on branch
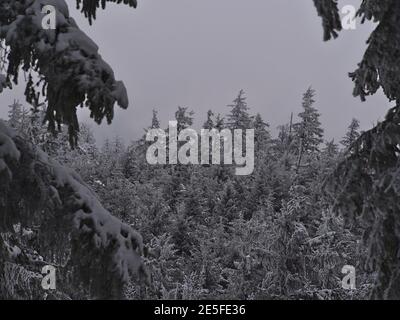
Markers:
point(96, 248)
point(71, 71)
point(89, 7)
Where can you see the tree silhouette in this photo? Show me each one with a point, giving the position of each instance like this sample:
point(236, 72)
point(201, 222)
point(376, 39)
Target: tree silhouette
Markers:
point(365, 184)
point(94, 252)
point(63, 65)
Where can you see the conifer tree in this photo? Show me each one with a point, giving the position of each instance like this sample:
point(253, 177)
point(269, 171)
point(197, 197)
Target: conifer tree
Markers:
point(283, 140)
point(331, 148)
point(239, 117)
point(15, 115)
point(261, 133)
point(155, 123)
point(352, 134)
point(308, 131)
point(373, 160)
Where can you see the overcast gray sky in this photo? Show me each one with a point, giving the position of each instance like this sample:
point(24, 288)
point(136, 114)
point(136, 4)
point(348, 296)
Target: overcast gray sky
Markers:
point(199, 54)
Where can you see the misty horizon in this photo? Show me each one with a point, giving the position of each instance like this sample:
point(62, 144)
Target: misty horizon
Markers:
point(270, 49)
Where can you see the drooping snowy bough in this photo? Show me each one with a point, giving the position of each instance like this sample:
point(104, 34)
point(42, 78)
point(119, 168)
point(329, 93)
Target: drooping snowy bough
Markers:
point(47, 213)
point(90, 248)
point(365, 187)
point(71, 72)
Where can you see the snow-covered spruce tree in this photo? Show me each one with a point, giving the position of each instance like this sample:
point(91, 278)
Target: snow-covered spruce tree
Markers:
point(239, 117)
point(262, 135)
point(366, 184)
point(15, 115)
point(308, 132)
point(352, 134)
point(92, 250)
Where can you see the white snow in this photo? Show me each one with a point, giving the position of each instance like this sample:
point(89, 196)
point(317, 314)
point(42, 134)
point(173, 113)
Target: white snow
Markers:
point(105, 226)
point(72, 46)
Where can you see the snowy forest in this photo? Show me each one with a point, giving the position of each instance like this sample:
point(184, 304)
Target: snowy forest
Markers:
point(210, 234)
point(116, 227)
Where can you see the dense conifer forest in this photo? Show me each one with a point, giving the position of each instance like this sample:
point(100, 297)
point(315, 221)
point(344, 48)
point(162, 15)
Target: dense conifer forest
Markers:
point(116, 227)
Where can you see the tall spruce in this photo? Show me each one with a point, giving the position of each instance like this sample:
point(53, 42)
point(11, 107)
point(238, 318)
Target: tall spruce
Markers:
point(373, 160)
point(239, 117)
point(352, 134)
point(308, 132)
point(15, 114)
point(261, 133)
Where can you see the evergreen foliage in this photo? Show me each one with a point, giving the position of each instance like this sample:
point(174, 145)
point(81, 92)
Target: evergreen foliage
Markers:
point(209, 234)
point(365, 184)
point(63, 65)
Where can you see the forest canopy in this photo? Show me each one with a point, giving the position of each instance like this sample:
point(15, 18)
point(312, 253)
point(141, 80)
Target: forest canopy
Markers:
point(207, 234)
